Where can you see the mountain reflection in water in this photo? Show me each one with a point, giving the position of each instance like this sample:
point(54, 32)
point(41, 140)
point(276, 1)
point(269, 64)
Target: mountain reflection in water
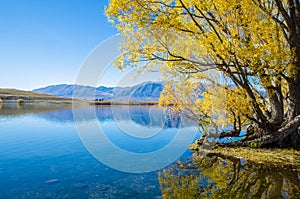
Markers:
point(146, 116)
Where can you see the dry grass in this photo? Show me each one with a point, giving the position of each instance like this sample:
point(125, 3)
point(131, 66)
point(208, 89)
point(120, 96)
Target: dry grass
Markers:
point(13, 95)
point(283, 158)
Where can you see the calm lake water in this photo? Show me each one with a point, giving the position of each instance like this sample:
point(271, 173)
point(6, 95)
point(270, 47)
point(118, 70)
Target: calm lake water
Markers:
point(45, 154)
point(42, 156)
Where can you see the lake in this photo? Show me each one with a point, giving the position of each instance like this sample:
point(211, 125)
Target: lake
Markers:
point(121, 152)
point(44, 156)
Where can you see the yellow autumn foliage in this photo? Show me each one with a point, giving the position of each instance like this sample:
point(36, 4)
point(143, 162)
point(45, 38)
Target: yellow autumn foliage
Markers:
point(221, 59)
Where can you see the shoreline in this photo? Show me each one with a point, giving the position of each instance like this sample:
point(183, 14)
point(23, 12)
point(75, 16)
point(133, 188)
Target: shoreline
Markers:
point(14, 96)
point(281, 158)
point(97, 103)
point(77, 101)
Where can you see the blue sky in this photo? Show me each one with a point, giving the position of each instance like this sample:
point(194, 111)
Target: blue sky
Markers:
point(44, 42)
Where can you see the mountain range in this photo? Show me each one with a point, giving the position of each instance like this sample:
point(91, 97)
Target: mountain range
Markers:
point(146, 91)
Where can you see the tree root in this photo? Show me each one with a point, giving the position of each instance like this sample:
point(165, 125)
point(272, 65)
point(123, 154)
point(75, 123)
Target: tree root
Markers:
point(287, 136)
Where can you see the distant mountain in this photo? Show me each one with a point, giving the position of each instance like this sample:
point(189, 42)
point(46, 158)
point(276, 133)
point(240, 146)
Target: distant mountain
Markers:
point(146, 91)
point(81, 92)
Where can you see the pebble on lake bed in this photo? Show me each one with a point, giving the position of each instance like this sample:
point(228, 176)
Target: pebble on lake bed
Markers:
point(81, 186)
point(52, 181)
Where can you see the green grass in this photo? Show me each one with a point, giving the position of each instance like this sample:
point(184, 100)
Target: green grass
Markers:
point(282, 158)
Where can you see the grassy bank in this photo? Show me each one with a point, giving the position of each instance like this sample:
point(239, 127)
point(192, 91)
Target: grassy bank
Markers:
point(9, 96)
point(12, 95)
point(282, 158)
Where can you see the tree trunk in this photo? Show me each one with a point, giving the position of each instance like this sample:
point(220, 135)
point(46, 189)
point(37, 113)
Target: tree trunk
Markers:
point(293, 103)
point(285, 137)
point(288, 134)
point(281, 127)
point(276, 105)
point(293, 23)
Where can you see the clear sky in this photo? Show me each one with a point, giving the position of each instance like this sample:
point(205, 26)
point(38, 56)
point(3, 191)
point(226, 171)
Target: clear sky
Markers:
point(44, 42)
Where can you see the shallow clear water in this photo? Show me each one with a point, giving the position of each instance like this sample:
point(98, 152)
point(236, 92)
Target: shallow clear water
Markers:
point(42, 155)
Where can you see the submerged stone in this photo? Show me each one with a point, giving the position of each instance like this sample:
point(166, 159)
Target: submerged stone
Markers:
point(52, 181)
point(81, 186)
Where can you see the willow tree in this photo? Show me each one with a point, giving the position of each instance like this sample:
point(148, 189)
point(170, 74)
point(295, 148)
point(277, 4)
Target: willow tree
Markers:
point(228, 62)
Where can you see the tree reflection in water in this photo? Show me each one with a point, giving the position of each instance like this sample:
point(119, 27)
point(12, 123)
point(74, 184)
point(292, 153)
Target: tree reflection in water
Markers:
point(217, 176)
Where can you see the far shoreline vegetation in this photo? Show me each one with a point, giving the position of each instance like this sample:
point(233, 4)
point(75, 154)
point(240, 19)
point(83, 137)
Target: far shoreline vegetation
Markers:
point(108, 102)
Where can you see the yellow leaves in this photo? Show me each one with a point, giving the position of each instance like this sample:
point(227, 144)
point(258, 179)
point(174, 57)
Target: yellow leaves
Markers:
point(188, 39)
point(220, 28)
point(168, 96)
point(215, 105)
point(120, 62)
point(176, 95)
point(238, 102)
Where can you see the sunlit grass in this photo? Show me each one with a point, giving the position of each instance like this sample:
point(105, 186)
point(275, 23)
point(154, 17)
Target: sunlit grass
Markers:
point(284, 158)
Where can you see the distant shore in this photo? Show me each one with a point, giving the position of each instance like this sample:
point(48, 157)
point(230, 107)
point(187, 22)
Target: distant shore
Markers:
point(11, 96)
point(107, 102)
